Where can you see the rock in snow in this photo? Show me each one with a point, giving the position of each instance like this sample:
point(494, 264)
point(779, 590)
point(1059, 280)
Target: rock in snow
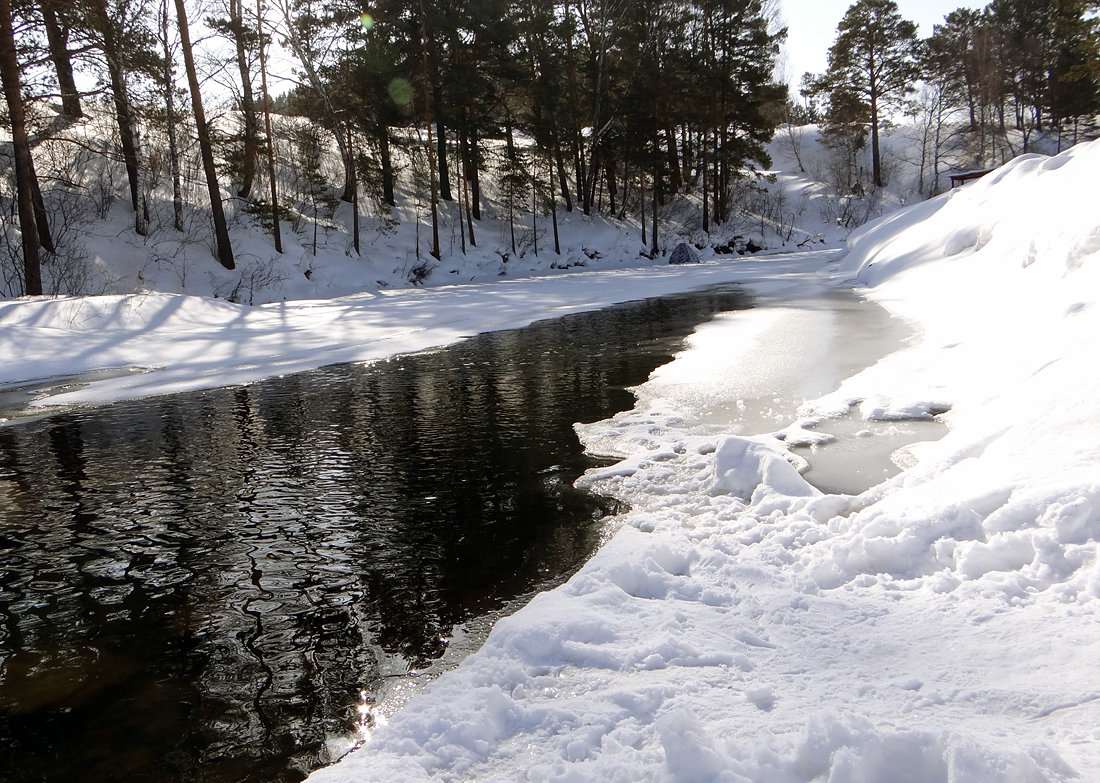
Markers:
point(684, 254)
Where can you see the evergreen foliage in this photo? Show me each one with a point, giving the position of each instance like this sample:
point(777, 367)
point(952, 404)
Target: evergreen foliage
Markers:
point(1028, 65)
point(872, 67)
point(613, 106)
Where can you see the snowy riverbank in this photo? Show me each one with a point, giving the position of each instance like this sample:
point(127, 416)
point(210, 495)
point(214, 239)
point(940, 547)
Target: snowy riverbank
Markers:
point(741, 625)
point(177, 342)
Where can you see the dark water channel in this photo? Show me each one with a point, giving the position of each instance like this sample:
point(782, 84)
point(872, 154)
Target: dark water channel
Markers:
point(198, 587)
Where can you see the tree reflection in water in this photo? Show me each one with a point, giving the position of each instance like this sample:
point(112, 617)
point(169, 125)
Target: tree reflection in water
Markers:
point(198, 587)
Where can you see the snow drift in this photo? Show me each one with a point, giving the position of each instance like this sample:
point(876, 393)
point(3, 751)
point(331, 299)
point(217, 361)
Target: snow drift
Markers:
point(743, 626)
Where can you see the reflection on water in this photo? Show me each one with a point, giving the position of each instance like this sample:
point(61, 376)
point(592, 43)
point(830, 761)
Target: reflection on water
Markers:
point(198, 587)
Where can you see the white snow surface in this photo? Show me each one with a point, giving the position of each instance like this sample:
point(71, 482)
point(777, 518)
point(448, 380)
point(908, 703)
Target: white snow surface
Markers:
point(739, 624)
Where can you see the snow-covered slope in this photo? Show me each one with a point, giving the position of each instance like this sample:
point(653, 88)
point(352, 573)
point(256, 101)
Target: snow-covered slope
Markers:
point(99, 251)
point(742, 626)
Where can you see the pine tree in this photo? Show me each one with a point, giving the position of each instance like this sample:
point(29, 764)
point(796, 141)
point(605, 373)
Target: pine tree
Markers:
point(378, 97)
point(170, 114)
point(948, 59)
point(1075, 72)
point(243, 38)
point(316, 33)
point(273, 183)
point(873, 58)
point(1027, 26)
point(57, 37)
point(118, 30)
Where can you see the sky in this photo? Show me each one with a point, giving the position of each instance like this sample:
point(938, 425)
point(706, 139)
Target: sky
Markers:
point(811, 28)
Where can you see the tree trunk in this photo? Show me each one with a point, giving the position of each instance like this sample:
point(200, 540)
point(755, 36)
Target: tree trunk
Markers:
point(469, 215)
point(981, 136)
point(592, 186)
point(626, 191)
point(435, 252)
point(873, 95)
point(248, 104)
point(221, 231)
point(277, 233)
point(121, 96)
point(329, 118)
point(562, 181)
point(170, 110)
point(475, 175)
point(583, 184)
point(24, 163)
point(461, 206)
point(876, 165)
point(688, 153)
point(467, 166)
point(554, 209)
point(127, 133)
point(41, 219)
point(468, 142)
point(936, 147)
point(657, 192)
point(174, 164)
point(719, 205)
point(355, 193)
point(58, 40)
point(676, 182)
point(970, 101)
point(612, 186)
point(511, 153)
point(703, 176)
point(383, 137)
point(431, 149)
point(441, 141)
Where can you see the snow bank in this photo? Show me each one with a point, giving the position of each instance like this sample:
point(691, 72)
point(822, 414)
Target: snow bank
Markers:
point(191, 342)
point(1006, 293)
point(742, 626)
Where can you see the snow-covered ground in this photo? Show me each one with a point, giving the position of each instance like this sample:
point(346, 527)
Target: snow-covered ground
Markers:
point(740, 625)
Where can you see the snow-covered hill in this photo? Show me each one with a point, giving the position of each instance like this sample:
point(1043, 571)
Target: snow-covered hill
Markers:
point(100, 252)
point(803, 201)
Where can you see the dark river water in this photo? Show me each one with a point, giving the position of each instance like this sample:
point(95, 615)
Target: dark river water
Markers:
point(199, 587)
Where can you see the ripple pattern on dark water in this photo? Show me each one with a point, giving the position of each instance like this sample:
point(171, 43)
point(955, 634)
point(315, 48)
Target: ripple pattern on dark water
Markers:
point(198, 587)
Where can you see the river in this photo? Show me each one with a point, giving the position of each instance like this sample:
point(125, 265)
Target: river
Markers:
point(206, 586)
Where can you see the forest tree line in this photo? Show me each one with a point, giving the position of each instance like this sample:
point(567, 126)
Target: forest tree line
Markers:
point(581, 105)
point(1023, 65)
point(607, 95)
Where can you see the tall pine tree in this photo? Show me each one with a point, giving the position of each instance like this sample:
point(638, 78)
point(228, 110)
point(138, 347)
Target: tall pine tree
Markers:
point(874, 59)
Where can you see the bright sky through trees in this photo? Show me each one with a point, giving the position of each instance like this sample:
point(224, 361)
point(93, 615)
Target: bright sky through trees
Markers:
point(812, 25)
